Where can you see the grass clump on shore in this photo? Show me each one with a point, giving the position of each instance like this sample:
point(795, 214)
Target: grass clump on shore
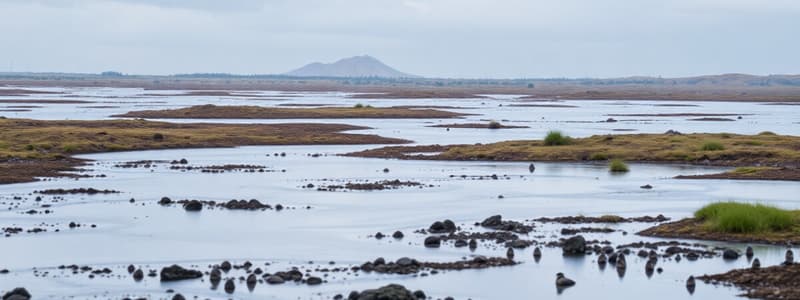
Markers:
point(712, 146)
point(556, 138)
point(734, 217)
point(618, 166)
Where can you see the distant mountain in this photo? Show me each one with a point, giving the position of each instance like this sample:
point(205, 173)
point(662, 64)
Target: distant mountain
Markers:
point(357, 66)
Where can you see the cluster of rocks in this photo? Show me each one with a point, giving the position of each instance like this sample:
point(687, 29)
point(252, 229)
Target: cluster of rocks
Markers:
point(369, 186)
point(215, 169)
point(407, 265)
point(574, 231)
point(197, 205)
point(602, 219)
point(389, 292)
point(88, 191)
point(140, 164)
point(482, 177)
point(776, 282)
point(176, 272)
point(496, 222)
point(17, 294)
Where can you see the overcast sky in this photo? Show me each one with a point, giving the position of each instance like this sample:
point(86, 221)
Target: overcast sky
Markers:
point(437, 38)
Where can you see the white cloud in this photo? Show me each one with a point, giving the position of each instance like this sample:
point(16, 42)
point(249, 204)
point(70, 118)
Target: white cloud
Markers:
point(463, 38)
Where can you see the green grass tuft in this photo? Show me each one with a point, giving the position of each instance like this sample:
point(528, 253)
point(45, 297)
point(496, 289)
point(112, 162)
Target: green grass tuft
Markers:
point(618, 166)
point(712, 146)
point(556, 138)
point(734, 217)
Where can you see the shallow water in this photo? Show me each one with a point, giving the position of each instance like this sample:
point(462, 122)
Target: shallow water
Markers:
point(338, 225)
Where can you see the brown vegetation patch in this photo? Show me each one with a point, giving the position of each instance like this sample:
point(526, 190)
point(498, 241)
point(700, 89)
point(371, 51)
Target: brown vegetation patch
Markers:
point(737, 150)
point(693, 228)
point(23, 92)
point(612, 219)
point(258, 112)
point(477, 125)
point(679, 115)
point(544, 105)
point(752, 173)
point(776, 282)
point(419, 94)
point(34, 148)
point(44, 101)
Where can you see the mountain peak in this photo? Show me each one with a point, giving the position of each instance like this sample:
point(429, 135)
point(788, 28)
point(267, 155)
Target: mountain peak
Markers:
point(356, 66)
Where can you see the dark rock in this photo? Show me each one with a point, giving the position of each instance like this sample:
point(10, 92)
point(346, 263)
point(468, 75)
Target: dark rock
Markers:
point(575, 245)
point(398, 235)
point(176, 272)
point(405, 261)
point(215, 276)
point(646, 187)
point(562, 281)
point(193, 205)
point(275, 279)
point(473, 244)
point(379, 235)
point(730, 254)
point(531, 168)
point(178, 297)
point(460, 243)
point(492, 221)
point(225, 266)
point(138, 275)
point(17, 294)
point(230, 286)
point(756, 264)
point(420, 294)
point(433, 242)
point(749, 251)
point(537, 252)
point(313, 280)
point(445, 226)
point(251, 279)
point(165, 201)
point(510, 253)
point(389, 292)
point(131, 269)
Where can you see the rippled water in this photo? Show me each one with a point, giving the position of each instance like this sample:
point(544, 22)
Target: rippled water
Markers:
point(338, 224)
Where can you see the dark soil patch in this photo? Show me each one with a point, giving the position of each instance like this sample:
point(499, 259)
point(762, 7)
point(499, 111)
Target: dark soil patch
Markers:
point(709, 119)
point(679, 115)
point(418, 94)
point(786, 174)
point(776, 282)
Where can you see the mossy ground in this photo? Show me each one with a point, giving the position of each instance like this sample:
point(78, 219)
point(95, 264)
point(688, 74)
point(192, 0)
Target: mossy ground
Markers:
point(33, 148)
